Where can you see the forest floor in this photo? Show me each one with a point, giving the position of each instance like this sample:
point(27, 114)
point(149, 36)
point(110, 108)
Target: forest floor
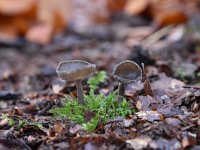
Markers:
point(29, 87)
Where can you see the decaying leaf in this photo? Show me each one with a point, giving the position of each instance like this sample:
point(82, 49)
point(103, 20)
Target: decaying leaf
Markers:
point(147, 86)
point(149, 115)
point(167, 83)
point(16, 17)
point(58, 86)
point(6, 144)
point(162, 143)
point(40, 34)
point(135, 7)
point(16, 7)
point(139, 142)
point(147, 103)
point(115, 5)
point(168, 12)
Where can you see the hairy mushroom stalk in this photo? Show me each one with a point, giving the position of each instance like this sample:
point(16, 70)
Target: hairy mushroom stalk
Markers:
point(126, 72)
point(80, 95)
point(121, 88)
point(75, 70)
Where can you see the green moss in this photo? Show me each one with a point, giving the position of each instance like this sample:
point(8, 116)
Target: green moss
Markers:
point(19, 122)
point(101, 107)
point(180, 73)
point(94, 81)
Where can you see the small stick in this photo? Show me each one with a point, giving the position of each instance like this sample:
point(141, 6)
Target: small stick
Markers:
point(191, 86)
point(45, 109)
point(156, 36)
point(147, 86)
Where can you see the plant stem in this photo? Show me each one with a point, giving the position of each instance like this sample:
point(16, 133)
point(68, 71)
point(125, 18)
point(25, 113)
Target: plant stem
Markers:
point(80, 92)
point(121, 91)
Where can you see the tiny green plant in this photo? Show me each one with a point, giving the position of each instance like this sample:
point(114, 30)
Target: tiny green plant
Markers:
point(94, 81)
point(97, 109)
point(198, 74)
point(180, 74)
point(19, 122)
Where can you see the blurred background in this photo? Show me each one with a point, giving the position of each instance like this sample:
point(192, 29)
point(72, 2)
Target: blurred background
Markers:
point(35, 35)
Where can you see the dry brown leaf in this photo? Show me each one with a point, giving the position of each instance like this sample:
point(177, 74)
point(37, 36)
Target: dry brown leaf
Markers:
point(147, 88)
point(16, 17)
point(116, 5)
point(167, 12)
point(167, 83)
point(55, 13)
point(138, 143)
point(40, 33)
point(147, 103)
point(7, 33)
point(135, 7)
point(58, 127)
point(168, 17)
point(149, 115)
point(16, 7)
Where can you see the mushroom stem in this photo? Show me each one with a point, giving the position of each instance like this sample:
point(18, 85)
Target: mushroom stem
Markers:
point(80, 92)
point(121, 91)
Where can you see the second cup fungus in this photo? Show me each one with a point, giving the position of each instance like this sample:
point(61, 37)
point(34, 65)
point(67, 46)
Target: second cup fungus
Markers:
point(126, 72)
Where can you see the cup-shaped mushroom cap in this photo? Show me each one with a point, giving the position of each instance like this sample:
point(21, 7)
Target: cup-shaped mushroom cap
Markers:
point(127, 72)
point(73, 70)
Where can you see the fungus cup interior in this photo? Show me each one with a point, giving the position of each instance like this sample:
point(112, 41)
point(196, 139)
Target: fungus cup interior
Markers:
point(127, 72)
point(74, 70)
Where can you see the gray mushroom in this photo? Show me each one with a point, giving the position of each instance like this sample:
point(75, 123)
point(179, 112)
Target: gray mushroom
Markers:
point(75, 70)
point(126, 72)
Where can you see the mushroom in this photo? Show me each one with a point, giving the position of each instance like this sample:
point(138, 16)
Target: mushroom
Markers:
point(75, 70)
point(126, 72)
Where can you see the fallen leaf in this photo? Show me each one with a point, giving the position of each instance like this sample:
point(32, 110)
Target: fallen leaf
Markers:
point(162, 143)
point(40, 34)
point(90, 146)
point(128, 122)
point(55, 14)
point(58, 127)
point(146, 103)
point(16, 7)
point(139, 143)
point(147, 88)
point(149, 115)
point(135, 7)
point(188, 139)
point(168, 12)
point(167, 83)
point(12, 144)
point(115, 5)
point(173, 121)
point(16, 17)
point(75, 129)
point(58, 86)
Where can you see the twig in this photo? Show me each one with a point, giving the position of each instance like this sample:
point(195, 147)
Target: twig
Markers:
point(156, 36)
point(9, 96)
point(45, 109)
point(191, 86)
point(110, 122)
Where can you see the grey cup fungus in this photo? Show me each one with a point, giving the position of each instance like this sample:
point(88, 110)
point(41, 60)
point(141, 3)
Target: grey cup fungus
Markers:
point(75, 70)
point(126, 72)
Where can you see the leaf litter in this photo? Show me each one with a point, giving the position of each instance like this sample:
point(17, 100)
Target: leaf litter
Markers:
point(167, 119)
